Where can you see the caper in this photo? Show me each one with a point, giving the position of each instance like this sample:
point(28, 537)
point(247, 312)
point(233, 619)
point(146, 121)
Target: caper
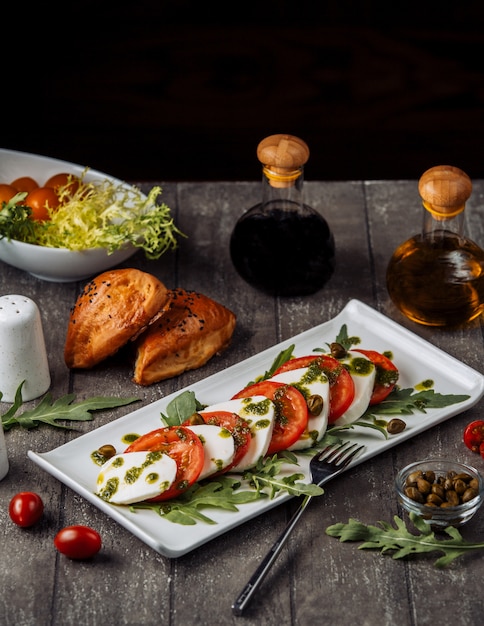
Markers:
point(315, 404)
point(452, 497)
point(414, 494)
point(107, 451)
point(195, 418)
point(469, 494)
point(337, 350)
point(438, 490)
point(446, 491)
point(395, 426)
point(474, 484)
point(423, 486)
point(459, 486)
point(414, 477)
point(433, 499)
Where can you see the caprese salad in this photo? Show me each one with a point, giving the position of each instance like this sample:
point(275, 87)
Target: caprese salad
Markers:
point(287, 409)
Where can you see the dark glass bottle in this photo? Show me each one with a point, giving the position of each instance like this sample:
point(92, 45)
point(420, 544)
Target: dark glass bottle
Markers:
point(436, 278)
point(282, 246)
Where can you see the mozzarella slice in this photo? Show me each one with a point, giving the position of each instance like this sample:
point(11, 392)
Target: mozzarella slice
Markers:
point(363, 373)
point(309, 385)
point(218, 447)
point(259, 413)
point(135, 476)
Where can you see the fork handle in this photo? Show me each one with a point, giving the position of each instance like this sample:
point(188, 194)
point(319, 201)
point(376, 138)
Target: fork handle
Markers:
point(266, 564)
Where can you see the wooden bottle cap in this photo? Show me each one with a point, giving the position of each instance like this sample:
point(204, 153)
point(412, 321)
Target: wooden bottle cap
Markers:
point(282, 157)
point(445, 190)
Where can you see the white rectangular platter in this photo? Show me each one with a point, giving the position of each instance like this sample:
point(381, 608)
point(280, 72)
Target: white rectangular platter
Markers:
point(416, 359)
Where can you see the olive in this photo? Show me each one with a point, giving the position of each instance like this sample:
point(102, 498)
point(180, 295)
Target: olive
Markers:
point(424, 486)
point(469, 494)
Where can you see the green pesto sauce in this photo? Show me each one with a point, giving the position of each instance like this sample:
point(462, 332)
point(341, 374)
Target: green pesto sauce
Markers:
point(109, 489)
point(98, 458)
point(152, 477)
point(134, 473)
point(129, 438)
point(388, 354)
point(261, 424)
point(313, 374)
point(425, 384)
point(256, 408)
point(225, 433)
point(359, 366)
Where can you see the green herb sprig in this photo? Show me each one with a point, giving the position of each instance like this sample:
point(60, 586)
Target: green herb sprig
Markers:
point(50, 412)
point(400, 543)
point(228, 492)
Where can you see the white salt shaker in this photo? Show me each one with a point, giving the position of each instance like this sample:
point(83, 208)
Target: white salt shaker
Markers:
point(23, 356)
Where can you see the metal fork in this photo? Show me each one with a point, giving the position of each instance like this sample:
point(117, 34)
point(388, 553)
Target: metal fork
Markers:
point(324, 465)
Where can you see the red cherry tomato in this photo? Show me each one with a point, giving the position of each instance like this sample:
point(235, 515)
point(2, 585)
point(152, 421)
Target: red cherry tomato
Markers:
point(39, 200)
point(24, 183)
point(236, 425)
point(78, 542)
point(474, 436)
point(291, 412)
point(7, 192)
point(341, 385)
point(386, 375)
point(65, 185)
point(181, 444)
point(26, 509)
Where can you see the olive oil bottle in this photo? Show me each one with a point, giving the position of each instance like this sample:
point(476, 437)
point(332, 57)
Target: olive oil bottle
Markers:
point(282, 246)
point(436, 278)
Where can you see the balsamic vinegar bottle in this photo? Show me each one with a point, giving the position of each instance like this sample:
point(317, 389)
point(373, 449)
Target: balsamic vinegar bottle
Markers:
point(436, 278)
point(282, 246)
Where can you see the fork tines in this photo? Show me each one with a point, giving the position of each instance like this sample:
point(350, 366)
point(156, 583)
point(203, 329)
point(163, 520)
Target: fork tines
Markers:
point(340, 455)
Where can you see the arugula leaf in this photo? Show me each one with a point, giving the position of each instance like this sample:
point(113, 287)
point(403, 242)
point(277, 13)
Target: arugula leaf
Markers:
point(409, 401)
point(49, 412)
point(266, 475)
point(219, 492)
point(181, 408)
point(225, 492)
point(280, 359)
point(401, 542)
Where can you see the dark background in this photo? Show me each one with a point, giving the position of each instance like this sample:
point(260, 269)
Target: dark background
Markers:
point(185, 90)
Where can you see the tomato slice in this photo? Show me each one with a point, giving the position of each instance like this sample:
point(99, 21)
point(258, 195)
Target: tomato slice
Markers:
point(386, 375)
point(341, 385)
point(474, 436)
point(290, 408)
point(239, 428)
point(183, 445)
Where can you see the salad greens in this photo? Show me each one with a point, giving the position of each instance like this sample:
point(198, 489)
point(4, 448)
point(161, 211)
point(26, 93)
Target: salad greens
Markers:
point(227, 492)
point(401, 543)
point(50, 412)
point(98, 215)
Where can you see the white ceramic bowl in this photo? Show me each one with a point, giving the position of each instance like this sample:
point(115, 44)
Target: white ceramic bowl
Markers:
point(54, 264)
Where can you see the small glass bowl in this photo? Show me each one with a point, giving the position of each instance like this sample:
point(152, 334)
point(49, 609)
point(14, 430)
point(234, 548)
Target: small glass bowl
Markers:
point(437, 516)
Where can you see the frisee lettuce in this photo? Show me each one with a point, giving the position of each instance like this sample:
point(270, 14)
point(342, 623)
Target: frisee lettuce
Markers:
point(101, 214)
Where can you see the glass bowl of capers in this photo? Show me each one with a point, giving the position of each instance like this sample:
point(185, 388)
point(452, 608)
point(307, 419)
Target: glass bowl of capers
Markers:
point(440, 491)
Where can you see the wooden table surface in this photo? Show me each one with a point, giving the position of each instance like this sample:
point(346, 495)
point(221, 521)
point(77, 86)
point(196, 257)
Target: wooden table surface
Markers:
point(317, 579)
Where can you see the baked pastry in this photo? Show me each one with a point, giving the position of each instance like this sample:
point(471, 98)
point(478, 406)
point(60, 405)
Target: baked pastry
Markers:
point(185, 337)
point(113, 308)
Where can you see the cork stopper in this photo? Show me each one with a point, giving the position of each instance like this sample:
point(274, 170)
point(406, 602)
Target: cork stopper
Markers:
point(445, 190)
point(283, 158)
